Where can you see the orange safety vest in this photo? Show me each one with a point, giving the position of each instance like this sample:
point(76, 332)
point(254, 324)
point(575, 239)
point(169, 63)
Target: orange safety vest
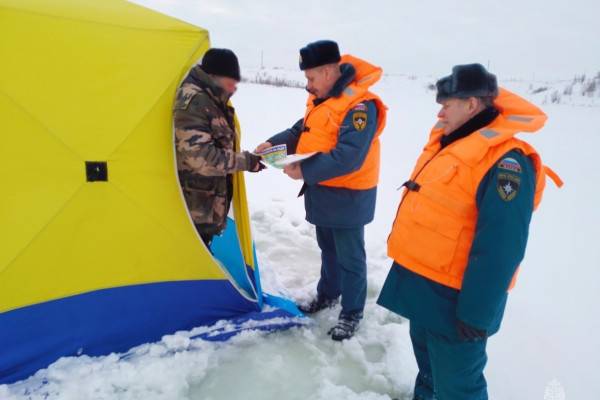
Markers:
point(322, 125)
point(435, 224)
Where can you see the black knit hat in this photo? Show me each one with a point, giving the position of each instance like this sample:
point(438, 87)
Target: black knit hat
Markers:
point(319, 53)
point(469, 80)
point(221, 62)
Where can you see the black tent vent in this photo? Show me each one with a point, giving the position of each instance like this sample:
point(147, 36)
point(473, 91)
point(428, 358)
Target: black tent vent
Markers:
point(96, 171)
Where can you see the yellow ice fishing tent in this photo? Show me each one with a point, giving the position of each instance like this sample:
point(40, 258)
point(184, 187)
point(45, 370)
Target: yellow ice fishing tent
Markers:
point(98, 252)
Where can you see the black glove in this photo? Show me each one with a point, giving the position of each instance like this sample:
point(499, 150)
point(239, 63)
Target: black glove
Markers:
point(253, 162)
point(469, 333)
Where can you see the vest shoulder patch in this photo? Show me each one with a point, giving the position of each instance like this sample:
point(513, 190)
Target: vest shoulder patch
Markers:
point(360, 107)
point(359, 120)
point(510, 164)
point(508, 185)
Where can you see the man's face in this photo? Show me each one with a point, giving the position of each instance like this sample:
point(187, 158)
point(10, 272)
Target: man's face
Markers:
point(318, 81)
point(229, 85)
point(455, 112)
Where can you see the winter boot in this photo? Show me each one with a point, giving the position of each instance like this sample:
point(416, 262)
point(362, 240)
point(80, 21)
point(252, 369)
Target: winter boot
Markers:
point(345, 327)
point(317, 304)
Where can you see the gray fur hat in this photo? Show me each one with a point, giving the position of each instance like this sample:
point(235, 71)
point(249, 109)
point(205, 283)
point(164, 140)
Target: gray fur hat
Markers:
point(469, 80)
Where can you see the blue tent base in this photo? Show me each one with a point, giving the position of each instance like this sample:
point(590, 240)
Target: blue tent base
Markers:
point(117, 319)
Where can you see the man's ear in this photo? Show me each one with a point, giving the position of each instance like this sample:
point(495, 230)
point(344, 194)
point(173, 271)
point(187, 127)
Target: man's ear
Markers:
point(473, 104)
point(330, 71)
point(327, 72)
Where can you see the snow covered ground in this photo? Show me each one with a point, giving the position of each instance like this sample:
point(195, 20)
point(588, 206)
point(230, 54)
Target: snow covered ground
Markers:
point(548, 342)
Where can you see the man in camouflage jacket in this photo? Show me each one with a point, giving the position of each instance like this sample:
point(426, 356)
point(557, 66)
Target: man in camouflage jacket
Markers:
point(205, 139)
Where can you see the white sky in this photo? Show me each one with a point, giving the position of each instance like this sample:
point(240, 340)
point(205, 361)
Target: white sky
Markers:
point(519, 39)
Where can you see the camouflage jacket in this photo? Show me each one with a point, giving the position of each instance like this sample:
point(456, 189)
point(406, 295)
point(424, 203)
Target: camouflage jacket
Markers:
point(205, 141)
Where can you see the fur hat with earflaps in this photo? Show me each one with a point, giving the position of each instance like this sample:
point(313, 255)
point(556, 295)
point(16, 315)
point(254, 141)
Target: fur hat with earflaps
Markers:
point(468, 80)
point(319, 53)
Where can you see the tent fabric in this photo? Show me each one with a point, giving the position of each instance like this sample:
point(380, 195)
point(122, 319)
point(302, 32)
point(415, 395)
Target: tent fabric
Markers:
point(98, 249)
point(103, 321)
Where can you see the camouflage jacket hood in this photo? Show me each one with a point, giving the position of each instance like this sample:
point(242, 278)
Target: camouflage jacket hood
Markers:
point(198, 77)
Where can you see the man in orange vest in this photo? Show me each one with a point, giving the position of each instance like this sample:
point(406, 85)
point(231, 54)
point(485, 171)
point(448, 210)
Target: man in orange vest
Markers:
point(461, 230)
point(342, 124)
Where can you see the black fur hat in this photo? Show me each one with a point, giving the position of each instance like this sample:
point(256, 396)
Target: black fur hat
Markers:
point(319, 53)
point(221, 62)
point(469, 80)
